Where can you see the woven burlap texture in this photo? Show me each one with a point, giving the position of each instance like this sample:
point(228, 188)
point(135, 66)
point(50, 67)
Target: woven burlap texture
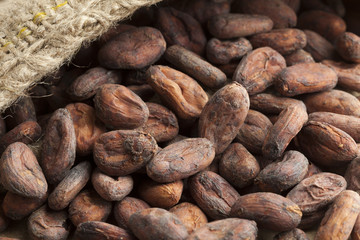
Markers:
point(38, 36)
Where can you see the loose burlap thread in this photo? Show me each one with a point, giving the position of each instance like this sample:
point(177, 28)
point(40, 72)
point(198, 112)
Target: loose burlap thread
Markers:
point(39, 36)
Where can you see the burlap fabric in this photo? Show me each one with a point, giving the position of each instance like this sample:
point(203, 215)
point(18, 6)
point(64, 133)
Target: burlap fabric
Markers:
point(38, 36)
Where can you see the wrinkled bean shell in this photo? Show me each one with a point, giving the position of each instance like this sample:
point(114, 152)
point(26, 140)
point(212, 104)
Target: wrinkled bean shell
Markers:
point(213, 194)
point(326, 145)
point(315, 192)
point(182, 93)
point(162, 124)
point(70, 186)
point(222, 229)
point(230, 25)
point(268, 210)
point(284, 174)
point(315, 77)
point(122, 51)
point(181, 160)
point(21, 172)
point(258, 69)
point(109, 188)
point(94, 230)
point(285, 41)
point(127, 207)
point(157, 223)
point(162, 195)
point(89, 206)
point(58, 154)
point(121, 152)
point(46, 224)
point(223, 116)
point(238, 166)
point(120, 108)
point(190, 215)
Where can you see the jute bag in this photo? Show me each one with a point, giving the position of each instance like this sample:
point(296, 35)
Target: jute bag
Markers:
point(38, 36)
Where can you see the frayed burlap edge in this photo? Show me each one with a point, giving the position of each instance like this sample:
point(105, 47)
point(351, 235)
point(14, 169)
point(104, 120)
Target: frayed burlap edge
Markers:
point(38, 36)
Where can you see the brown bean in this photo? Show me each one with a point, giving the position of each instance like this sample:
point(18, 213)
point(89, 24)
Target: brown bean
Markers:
point(58, 154)
point(162, 124)
point(271, 104)
point(190, 215)
point(162, 195)
point(89, 206)
point(127, 207)
point(288, 125)
point(26, 132)
point(280, 13)
point(347, 123)
point(196, 67)
point(121, 152)
point(315, 77)
point(70, 186)
point(318, 46)
point(223, 52)
point(86, 85)
point(223, 115)
point(258, 69)
point(230, 228)
point(344, 210)
point(157, 223)
point(326, 145)
point(181, 160)
point(285, 41)
point(238, 166)
point(94, 230)
point(21, 173)
point(268, 210)
point(17, 207)
point(299, 56)
point(48, 225)
point(213, 194)
point(120, 108)
point(182, 93)
point(230, 25)
point(283, 174)
point(87, 127)
point(122, 51)
point(348, 74)
point(181, 28)
point(316, 192)
point(348, 46)
point(254, 130)
point(109, 188)
point(296, 233)
point(335, 101)
point(326, 24)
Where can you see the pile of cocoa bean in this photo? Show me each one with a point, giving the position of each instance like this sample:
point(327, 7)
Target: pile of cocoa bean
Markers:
point(201, 119)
